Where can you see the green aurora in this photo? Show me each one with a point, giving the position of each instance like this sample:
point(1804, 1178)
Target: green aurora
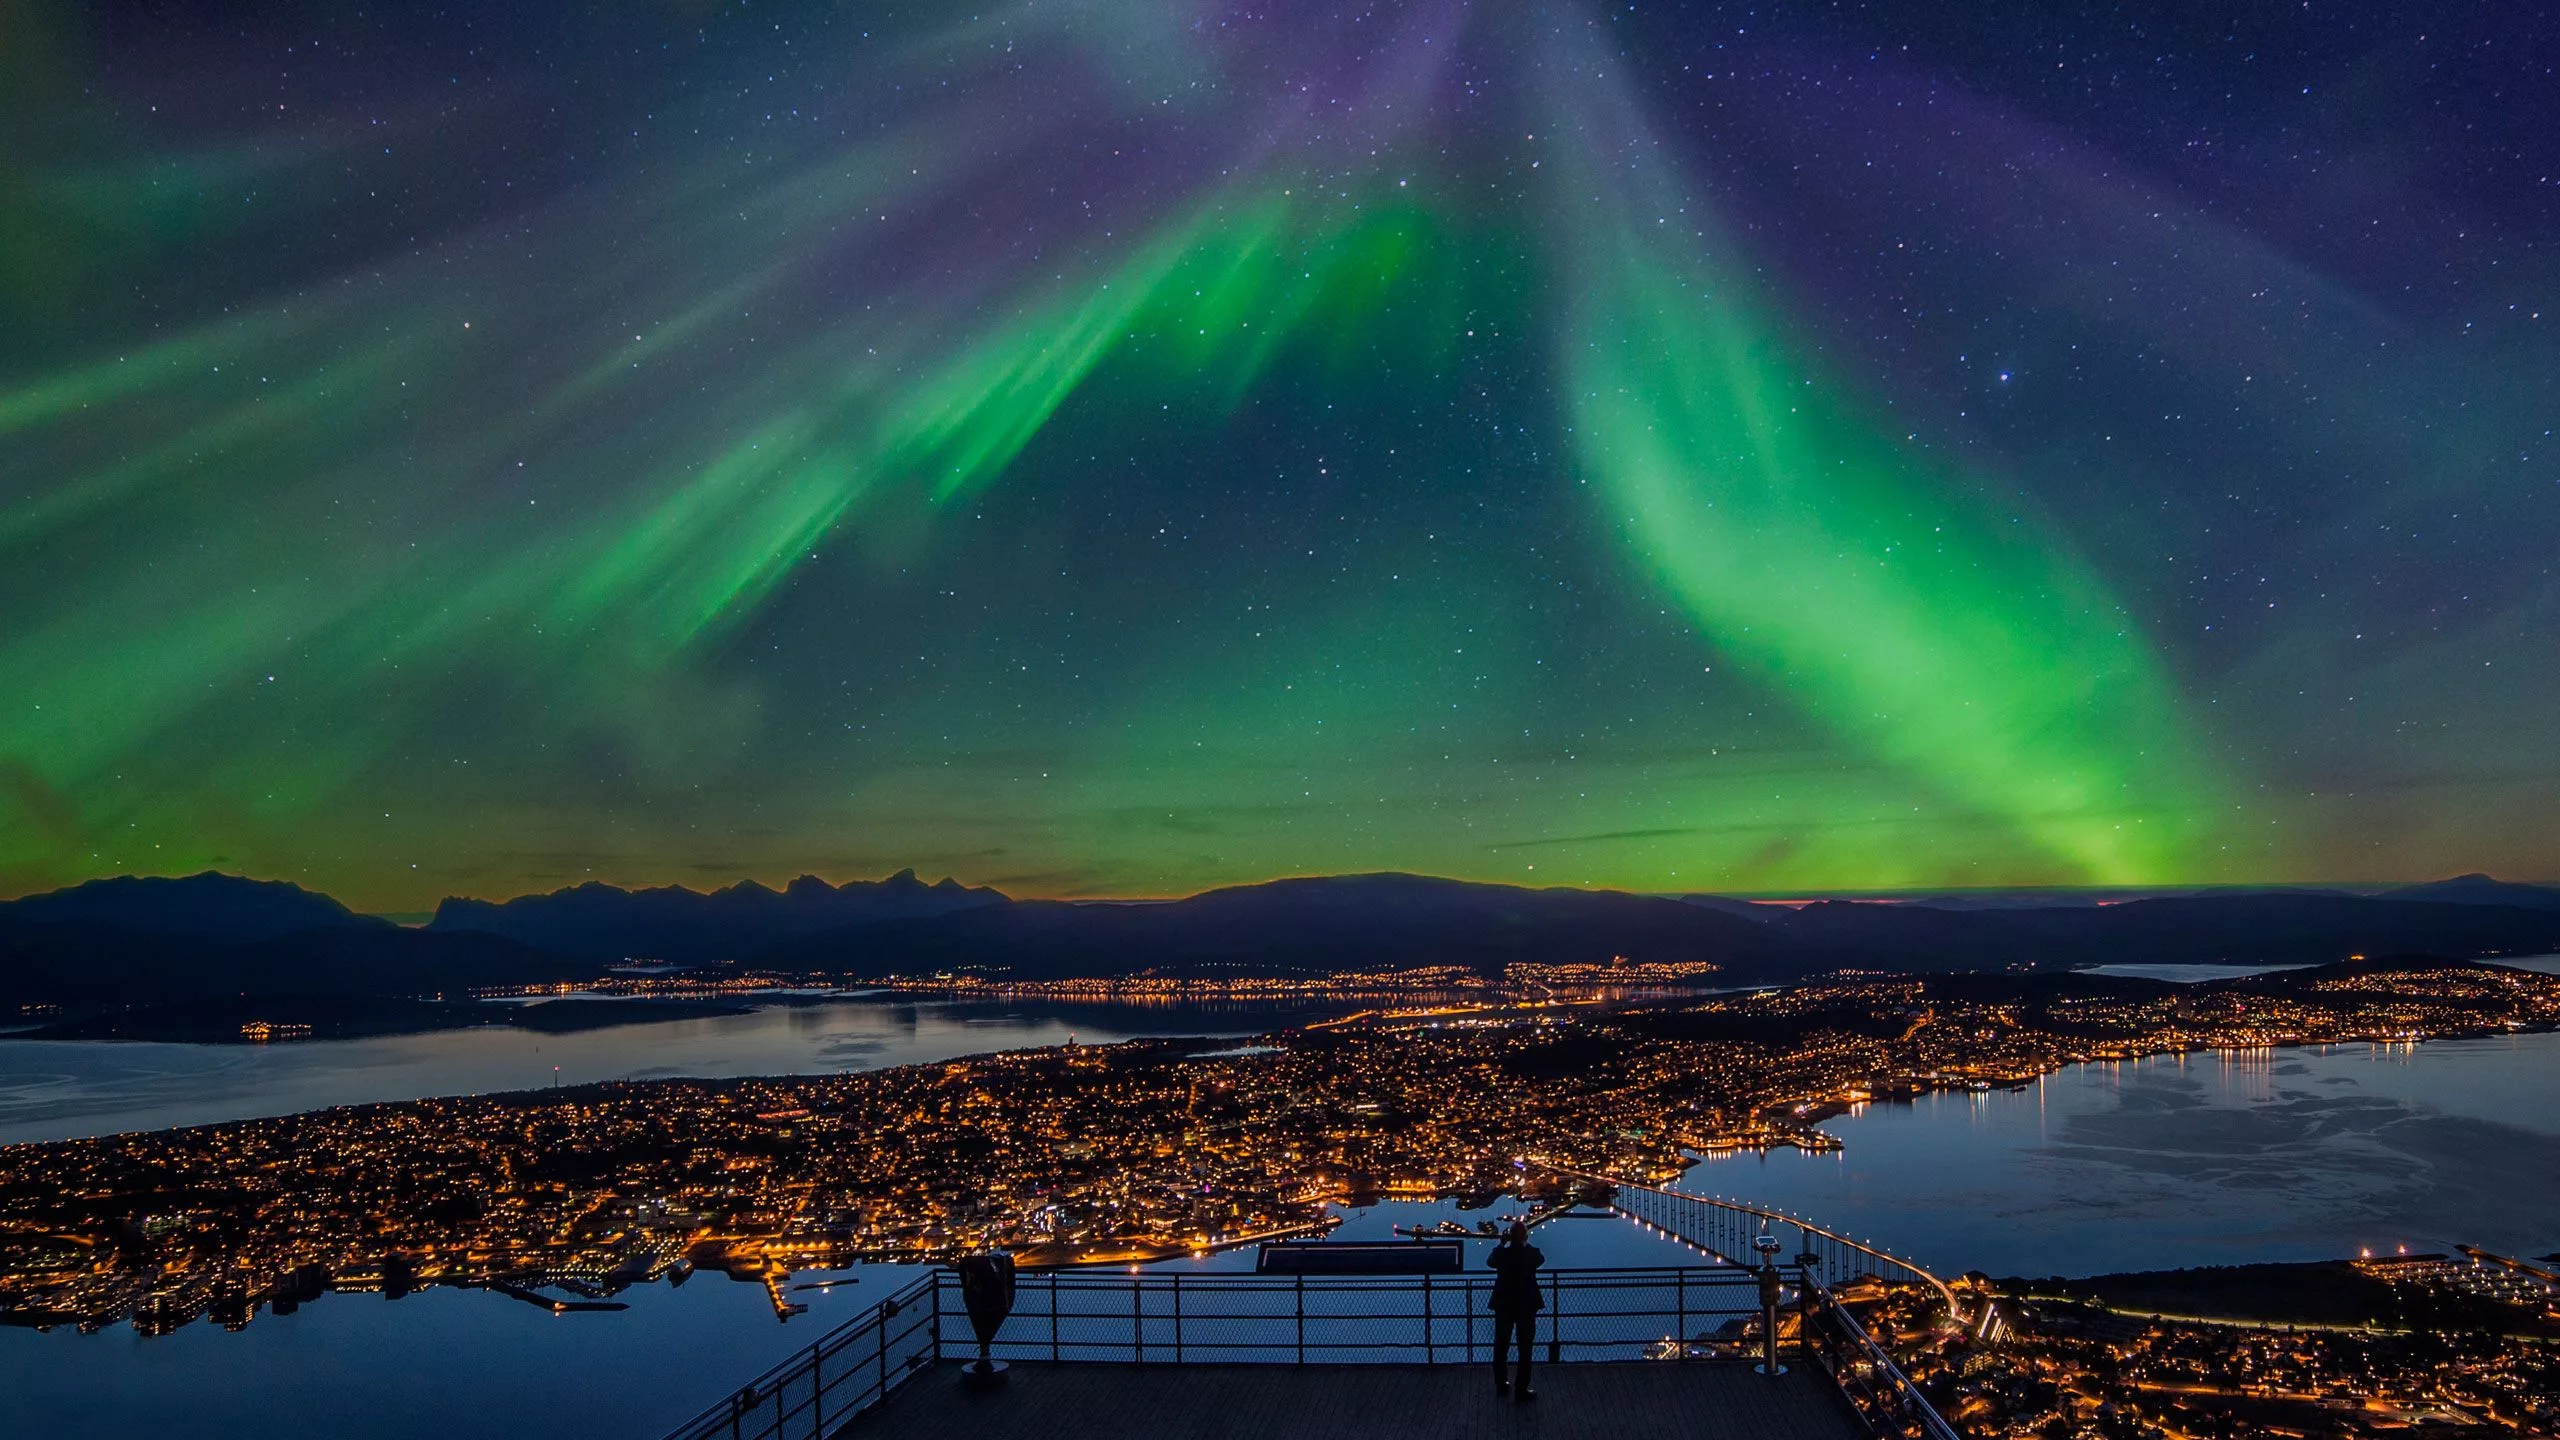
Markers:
point(1168, 461)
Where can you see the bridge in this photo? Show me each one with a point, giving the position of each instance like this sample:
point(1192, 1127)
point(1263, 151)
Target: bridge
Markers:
point(1730, 1230)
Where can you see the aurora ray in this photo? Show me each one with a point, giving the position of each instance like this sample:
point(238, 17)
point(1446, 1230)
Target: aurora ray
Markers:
point(1120, 448)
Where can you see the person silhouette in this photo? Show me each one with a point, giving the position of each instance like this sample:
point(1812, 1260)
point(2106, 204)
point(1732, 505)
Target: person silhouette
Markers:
point(1516, 1303)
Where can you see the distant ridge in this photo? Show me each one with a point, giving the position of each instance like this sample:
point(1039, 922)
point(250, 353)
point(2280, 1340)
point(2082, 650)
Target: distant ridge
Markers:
point(211, 905)
point(1319, 925)
point(606, 924)
point(2481, 890)
point(2229, 927)
point(1333, 924)
point(139, 942)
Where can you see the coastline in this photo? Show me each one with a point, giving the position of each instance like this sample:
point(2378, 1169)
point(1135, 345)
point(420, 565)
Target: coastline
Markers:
point(254, 1023)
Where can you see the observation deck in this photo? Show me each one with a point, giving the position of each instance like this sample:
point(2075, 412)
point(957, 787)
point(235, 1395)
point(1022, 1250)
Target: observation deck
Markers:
point(1576, 1401)
point(1230, 1356)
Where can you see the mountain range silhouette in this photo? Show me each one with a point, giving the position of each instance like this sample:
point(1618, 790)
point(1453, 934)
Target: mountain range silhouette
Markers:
point(131, 941)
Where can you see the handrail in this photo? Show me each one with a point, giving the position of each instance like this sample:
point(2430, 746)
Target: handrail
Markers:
point(1867, 1376)
point(1232, 1317)
point(1245, 1318)
point(848, 1370)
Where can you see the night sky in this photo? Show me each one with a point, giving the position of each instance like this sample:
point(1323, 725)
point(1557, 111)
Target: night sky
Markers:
point(1117, 448)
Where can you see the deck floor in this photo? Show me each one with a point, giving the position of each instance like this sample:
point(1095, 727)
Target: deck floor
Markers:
point(1359, 1402)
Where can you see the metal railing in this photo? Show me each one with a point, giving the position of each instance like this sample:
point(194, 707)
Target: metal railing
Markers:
point(850, 1369)
point(1203, 1317)
point(1212, 1317)
point(1866, 1375)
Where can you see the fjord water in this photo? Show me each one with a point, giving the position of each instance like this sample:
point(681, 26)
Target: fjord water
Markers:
point(61, 1089)
point(2209, 1159)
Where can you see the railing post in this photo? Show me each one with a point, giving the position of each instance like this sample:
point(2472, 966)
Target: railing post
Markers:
point(1138, 1320)
point(1053, 1317)
point(1302, 1319)
point(1808, 1296)
point(1555, 1319)
point(933, 1335)
point(818, 1389)
point(1680, 1313)
point(1177, 1317)
point(1426, 1317)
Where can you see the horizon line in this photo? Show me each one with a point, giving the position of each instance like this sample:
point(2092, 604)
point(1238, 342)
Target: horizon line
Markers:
point(1791, 897)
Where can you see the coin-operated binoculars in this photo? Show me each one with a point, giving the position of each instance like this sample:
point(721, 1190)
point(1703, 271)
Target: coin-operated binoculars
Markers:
point(1769, 1247)
point(986, 1288)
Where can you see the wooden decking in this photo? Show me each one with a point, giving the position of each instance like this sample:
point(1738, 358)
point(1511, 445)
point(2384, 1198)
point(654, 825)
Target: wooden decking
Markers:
point(1360, 1402)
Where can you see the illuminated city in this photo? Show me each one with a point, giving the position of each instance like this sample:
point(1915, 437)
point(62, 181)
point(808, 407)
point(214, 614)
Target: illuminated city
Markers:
point(1089, 1153)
